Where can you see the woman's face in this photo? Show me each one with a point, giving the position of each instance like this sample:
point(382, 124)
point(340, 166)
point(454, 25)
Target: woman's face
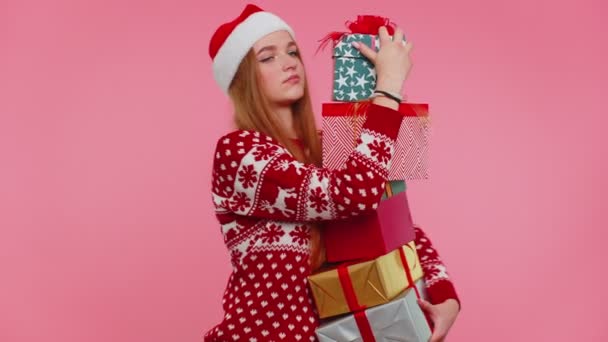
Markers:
point(281, 71)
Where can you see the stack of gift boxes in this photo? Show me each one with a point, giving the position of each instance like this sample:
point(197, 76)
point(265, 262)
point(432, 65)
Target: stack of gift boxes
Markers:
point(368, 289)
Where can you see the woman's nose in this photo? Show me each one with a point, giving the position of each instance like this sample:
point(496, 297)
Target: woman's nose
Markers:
point(289, 62)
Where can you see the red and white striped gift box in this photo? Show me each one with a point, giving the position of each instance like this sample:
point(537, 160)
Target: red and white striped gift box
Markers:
point(342, 124)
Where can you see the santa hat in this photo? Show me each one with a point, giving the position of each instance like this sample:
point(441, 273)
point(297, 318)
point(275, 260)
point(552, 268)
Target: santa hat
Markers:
point(231, 41)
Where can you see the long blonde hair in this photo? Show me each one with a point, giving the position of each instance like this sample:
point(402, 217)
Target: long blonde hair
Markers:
point(253, 112)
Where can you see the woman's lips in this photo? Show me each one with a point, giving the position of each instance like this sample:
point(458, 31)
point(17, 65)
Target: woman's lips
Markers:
point(293, 79)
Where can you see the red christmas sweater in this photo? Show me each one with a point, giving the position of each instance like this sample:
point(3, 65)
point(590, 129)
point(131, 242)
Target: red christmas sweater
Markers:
point(263, 198)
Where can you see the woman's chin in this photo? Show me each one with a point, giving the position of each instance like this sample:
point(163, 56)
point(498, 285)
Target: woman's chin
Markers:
point(291, 97)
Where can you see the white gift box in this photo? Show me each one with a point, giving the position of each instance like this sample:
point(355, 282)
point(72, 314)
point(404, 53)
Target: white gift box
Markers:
point(399, 320)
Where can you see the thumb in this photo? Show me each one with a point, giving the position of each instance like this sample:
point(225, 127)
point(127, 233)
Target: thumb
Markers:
point(409, 46)
point(365, 51)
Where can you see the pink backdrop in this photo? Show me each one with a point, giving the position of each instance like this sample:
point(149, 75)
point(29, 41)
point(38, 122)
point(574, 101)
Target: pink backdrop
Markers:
point(109, 115)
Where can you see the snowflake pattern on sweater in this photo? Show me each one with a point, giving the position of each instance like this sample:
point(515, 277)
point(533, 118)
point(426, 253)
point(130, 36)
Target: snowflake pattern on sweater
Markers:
point(439, 287)
point(263, 198)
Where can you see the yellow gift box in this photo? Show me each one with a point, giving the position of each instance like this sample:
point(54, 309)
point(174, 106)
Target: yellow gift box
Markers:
point(358, 286)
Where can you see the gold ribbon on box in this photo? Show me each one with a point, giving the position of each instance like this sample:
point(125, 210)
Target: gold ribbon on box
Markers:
point(373, 282)
point(388, 189)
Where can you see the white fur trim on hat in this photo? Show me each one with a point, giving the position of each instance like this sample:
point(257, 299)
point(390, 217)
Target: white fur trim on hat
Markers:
point(238, 43)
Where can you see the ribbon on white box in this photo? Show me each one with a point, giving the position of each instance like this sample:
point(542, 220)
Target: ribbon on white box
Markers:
point(400, 320)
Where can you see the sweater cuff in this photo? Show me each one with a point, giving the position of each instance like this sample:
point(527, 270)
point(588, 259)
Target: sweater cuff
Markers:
point(383, 120)
point(441, 291)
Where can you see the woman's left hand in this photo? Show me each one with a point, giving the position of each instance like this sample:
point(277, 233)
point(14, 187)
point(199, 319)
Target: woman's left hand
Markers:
point(443, 316)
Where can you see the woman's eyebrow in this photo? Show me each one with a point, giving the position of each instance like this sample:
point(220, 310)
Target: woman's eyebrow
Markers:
point(274, 47)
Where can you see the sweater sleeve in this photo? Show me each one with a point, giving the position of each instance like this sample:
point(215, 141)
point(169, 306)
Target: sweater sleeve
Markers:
point(438, 283)
point(253, 175)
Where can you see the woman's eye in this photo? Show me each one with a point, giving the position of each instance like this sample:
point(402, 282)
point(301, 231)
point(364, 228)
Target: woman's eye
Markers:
point(294, 53)
point(267, 59)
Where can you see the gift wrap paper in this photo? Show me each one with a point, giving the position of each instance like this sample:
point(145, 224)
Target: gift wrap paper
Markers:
point(394, 187)
point(354, 74)
point(399, 320)
point(374, 282)
point(366, 237)
point(342, 124)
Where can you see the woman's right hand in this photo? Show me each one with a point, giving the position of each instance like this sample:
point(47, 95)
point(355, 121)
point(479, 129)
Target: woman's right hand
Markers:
point(392, 61)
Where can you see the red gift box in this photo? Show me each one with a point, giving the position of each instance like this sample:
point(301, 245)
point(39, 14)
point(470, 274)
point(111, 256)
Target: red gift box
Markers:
point(370, 236)
point(342, 123)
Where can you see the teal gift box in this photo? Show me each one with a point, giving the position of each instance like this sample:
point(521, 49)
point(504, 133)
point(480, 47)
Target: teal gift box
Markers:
point(354, 74)
point(394, 187)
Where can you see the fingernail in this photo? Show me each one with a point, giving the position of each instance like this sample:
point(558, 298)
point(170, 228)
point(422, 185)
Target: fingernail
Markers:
point(355, 44)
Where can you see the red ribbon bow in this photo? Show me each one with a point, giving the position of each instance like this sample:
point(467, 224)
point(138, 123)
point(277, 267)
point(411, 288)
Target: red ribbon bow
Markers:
point(357, 309)
point(365, 24)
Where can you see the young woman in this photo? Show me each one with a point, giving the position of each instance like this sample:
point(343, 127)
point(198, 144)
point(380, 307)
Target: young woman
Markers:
point(271, 193)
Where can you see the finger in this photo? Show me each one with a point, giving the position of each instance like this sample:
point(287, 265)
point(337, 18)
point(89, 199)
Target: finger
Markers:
point(437, 338)
point(398, 36)
point(383, 35)
point(439, 331)
point(366, 51)
point(409, 46)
